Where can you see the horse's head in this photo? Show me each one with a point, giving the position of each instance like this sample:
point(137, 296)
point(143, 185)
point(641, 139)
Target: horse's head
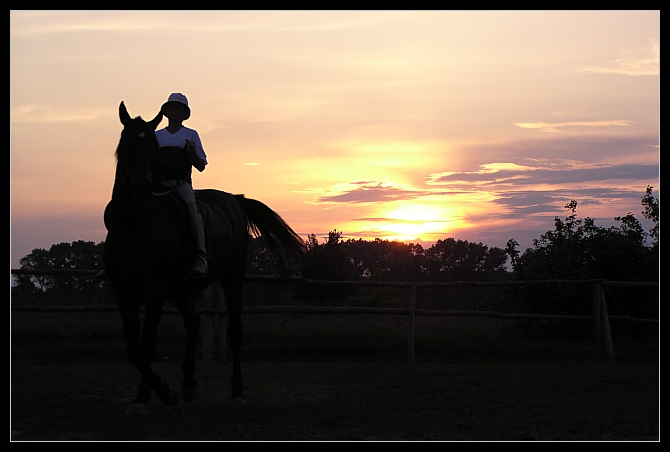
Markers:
point(136, 153)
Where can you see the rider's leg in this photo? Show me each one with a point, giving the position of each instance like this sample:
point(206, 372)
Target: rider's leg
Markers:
point(197, 228)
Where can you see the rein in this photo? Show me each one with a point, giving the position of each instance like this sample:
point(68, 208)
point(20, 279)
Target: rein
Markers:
point(169, 186)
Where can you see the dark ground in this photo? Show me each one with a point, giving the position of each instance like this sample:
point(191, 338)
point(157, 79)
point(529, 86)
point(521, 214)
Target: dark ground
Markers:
point(340, 377)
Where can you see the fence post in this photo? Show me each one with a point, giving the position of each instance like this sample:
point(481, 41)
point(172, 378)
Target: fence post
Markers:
point(207, 324)
point(601, 322)
point(605, 321)
point(597, 321)
point(411, 316)
point(213, 299)
point(223, 330)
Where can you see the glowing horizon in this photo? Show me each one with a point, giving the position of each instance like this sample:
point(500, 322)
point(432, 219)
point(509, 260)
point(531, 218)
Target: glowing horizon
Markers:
point(399, 125)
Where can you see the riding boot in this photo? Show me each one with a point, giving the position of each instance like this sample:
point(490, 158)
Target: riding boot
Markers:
point(199, 268)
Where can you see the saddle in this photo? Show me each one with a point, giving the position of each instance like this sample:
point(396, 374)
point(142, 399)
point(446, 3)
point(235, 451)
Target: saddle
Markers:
point(182, 212)
point(178, 205)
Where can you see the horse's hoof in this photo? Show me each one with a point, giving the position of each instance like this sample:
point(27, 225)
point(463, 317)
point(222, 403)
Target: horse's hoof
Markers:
point(138, 408)
point(238, 401)
point(190, 394)
point(172, 398)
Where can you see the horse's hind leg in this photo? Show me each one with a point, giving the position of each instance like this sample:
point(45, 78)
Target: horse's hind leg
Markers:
point(234, 305)
point(191, 319)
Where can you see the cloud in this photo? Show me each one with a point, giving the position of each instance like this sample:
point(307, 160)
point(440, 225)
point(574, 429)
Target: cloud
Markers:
point(368, 192)
point(554, 173)
point(31, 23)
point(530, 187)
point(544, 205)
point(33, 113)
point(647, 64)
point(405, 220)
point(556, 126)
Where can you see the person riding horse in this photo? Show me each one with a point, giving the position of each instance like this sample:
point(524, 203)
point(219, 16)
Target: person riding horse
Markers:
point(176, 176)
point(146, 258)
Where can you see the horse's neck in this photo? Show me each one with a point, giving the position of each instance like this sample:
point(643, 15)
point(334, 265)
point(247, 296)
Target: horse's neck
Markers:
point(134, 199)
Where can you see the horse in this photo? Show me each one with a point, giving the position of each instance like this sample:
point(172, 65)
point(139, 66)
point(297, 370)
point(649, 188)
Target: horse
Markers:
point(147, 255)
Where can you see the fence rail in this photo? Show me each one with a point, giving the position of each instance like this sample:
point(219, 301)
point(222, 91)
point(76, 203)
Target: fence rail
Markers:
point(295, 280)
point(214, 305)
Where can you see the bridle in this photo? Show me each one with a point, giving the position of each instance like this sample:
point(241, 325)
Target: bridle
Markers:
point(135, 154)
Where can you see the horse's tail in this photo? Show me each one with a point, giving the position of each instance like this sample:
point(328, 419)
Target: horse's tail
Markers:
point(275, 233)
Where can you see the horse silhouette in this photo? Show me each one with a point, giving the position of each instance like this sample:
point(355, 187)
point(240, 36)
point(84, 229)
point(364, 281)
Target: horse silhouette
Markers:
point(148, 251)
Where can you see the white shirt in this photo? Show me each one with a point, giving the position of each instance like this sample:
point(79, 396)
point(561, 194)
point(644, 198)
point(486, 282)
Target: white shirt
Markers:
point(179, 138)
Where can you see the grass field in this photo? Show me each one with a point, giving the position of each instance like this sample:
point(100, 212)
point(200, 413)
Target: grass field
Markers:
point(344, 377)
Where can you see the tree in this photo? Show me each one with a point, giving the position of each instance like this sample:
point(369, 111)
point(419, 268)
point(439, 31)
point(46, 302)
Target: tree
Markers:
point(262, 261)
point(652, 212)
point(61, 289)
point(459, 260)
point(578, 249)
point(383, 260)
point(326, 262)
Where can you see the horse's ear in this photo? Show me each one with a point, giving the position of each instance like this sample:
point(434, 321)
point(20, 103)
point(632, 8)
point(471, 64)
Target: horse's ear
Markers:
point(123, 114)
point(157, 120)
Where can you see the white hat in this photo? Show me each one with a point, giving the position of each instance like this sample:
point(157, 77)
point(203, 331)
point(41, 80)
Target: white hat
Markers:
point(178, 97)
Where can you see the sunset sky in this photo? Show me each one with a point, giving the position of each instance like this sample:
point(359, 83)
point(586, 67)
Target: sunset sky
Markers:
point(399, 125)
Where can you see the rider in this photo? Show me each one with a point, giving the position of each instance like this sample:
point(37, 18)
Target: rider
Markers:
point(176, 110)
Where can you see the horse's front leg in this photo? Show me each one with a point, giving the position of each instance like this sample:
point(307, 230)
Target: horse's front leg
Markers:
point(129, 308)
point(191, 319)
point(152, 318)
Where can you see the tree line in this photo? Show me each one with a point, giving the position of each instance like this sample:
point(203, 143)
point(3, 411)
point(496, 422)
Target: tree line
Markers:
point(575, 249)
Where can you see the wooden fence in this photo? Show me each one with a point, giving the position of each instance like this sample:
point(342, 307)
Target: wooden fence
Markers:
point(214, 306)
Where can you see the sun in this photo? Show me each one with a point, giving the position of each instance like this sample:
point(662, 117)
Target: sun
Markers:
point(411, 221)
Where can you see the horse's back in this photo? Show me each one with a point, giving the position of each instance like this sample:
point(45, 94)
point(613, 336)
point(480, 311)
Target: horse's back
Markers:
point(221, 214)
